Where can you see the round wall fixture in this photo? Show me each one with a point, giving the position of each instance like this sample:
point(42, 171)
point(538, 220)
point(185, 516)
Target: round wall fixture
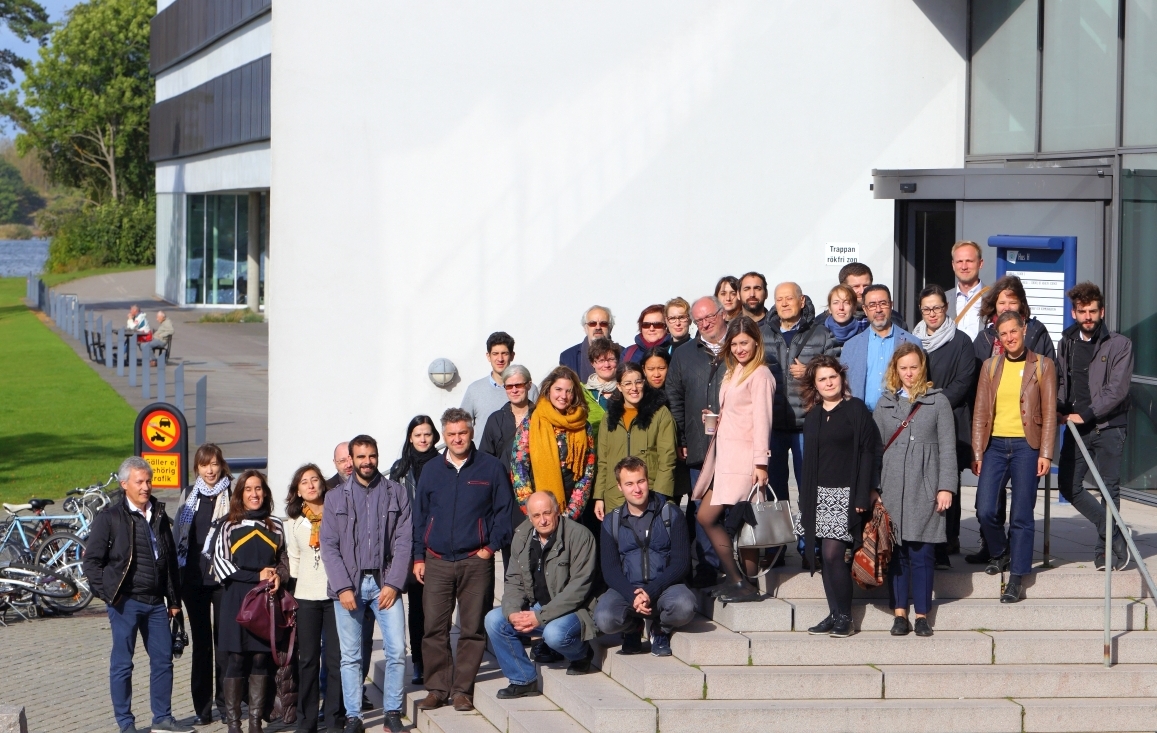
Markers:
point(442, 372)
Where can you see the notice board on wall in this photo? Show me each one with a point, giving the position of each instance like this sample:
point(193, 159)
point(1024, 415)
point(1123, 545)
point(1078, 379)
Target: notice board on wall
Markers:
point(1047, 267)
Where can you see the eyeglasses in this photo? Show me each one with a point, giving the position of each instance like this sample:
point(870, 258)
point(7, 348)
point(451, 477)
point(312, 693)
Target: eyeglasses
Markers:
point(598, 324)
point(605, 360)
point(707, 319)
point(678, 319)
point(881, 305)
point(646, 324)
point(929, 310)
point(631, 385)
point(516, 385)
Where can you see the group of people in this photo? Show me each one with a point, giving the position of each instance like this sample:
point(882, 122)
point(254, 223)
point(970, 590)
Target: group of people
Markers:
point(158, 339)
point(579, 483)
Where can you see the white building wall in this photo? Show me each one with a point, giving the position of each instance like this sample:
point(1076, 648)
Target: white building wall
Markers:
point(445, 170)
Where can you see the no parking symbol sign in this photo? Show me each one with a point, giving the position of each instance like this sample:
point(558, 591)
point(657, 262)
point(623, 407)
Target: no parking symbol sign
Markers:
point(161, 438)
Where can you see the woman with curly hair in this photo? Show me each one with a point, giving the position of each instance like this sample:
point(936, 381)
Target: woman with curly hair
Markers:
point(840, 446)
point(1007, 294)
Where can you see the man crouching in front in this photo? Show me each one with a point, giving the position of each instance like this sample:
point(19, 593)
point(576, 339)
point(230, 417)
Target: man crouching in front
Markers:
point(548, 590)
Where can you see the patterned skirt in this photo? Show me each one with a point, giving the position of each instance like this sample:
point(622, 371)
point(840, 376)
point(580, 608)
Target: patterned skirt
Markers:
point(832, 513)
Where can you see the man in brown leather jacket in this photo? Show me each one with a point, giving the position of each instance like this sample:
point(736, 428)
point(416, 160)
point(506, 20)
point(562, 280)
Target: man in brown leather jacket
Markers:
point(1014, 430)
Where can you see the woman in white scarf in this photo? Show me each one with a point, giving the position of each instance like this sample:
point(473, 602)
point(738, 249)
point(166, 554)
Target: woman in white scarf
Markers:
point(952, 368)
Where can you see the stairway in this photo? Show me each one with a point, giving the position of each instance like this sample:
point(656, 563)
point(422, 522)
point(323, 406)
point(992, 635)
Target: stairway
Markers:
point(1032, 666)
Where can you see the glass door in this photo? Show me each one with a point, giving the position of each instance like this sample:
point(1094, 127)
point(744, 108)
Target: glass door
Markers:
point(925, 249)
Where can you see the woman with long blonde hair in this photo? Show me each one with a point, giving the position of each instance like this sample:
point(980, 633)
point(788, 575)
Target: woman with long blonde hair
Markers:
point(737, 457)
point(918, 479)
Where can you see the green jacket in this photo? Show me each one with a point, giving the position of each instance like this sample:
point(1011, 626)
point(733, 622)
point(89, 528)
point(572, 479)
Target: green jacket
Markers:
point(570, 569)
point(652, 437)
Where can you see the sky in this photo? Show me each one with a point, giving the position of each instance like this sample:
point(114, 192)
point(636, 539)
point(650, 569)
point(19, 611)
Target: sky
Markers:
point(56, 10)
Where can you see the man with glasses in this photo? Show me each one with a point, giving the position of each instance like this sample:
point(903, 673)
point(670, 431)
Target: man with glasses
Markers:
point(693, 389)
point(598, 322)
point(488, 394)
point(866, 355)
point(858, 276)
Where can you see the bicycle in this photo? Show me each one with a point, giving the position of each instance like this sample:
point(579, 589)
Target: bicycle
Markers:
point(91, 499)
point(24, 587)
point(63, 552)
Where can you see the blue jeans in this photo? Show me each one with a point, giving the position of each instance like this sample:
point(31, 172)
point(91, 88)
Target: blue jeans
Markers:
point(392, 621)
point(674, 607)
point(913, 571)
point(564, 635)
point(1004, 459)
point(152, 621)
point(704, 550)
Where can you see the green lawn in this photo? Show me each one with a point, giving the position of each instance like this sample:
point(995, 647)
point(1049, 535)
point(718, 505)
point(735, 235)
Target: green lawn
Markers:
point(61, 425)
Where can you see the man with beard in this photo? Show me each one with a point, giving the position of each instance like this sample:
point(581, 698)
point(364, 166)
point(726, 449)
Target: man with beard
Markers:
point(1094, 368)
point(753, 295)
point(598, 322)
point(866, 356)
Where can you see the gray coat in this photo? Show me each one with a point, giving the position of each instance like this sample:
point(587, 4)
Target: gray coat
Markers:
point(919, 463)
point(570, 571)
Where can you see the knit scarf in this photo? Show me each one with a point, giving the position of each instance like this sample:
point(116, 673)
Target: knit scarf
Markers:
point(607, 388)
point(997, 347)
point(546, 470)
point(314, 526)
point(189, 510)
point(943, 335)
point(845, 332)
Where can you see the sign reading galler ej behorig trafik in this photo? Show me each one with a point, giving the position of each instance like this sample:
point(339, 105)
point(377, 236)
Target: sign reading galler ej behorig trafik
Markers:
point(162, 438)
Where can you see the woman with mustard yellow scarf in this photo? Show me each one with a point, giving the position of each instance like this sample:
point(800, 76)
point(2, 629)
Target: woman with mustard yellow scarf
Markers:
point(554, 447)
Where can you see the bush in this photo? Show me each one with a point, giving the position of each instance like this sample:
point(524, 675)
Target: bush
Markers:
point(17, 199)
point(112, 233)
point(15, 231)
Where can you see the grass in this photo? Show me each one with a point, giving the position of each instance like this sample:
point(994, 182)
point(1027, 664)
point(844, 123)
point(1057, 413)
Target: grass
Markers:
point(61, 425)
point(243, 315)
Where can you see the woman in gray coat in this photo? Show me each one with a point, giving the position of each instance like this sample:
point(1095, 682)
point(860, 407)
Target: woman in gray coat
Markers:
point(917, 479)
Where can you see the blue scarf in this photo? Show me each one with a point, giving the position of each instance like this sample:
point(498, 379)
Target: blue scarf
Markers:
point(189, 509)
point(842, 333)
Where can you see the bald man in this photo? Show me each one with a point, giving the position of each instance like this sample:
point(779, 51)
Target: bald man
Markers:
point(343, 463)
point(791, 338)
point(549, 590)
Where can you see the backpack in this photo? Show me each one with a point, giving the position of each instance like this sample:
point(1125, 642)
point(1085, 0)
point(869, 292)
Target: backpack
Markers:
point(870, 565)
point(617, 514)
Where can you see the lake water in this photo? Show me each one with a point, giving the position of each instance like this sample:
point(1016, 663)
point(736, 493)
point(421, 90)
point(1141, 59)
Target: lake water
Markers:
point(19, 258)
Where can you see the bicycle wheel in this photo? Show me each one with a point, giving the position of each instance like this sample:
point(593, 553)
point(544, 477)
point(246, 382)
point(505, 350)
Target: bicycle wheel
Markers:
point(74, 572)
point(36, 579)
point(59, 549)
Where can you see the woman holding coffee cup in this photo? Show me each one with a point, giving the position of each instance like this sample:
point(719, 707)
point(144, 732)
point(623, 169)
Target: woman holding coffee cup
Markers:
point(737, 457)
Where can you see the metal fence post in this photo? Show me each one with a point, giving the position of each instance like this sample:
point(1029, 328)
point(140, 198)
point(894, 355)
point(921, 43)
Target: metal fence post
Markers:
point(202, 409)
point(147, 377)
point(161, 377)
point(119, 337)
point(106, 334)
point(179, 387)
point(132, 351)
point(1109, 585)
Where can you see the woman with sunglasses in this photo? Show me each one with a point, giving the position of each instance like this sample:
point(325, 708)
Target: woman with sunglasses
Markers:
point(498, 435)
point(652, 333)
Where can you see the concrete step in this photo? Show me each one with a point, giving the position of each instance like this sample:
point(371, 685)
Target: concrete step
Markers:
point(1071, 580)
point(870, 647)
point(808, 716)
point(770, 614)
point(1089, 714)
point(1072, 647)
point(792, 683)
point(1020, 680)
point(973, 613)
point(449, 720)
point(598, 703)
point(541, 721)
point(706, 642)
point(498, 712)
point(650, 677)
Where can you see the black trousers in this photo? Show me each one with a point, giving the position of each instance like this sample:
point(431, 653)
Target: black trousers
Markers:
point(203, 614)
point(416, 619)
point(314, 618)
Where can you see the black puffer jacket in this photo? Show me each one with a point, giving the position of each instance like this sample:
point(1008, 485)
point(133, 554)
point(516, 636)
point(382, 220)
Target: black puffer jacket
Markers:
point(812, 339)
point(692, 386)
point(109, 553)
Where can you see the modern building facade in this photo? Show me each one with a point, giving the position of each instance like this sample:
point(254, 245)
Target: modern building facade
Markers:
point(210, 140)
point(447, 170)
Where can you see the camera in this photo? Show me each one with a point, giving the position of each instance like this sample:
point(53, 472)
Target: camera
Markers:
point(180, 638)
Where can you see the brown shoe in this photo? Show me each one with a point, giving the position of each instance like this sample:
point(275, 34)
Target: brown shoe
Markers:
point(431, 702)
point(462, 703)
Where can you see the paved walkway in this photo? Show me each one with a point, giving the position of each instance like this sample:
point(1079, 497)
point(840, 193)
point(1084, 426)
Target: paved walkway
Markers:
point(234, 356)
point(58, 668)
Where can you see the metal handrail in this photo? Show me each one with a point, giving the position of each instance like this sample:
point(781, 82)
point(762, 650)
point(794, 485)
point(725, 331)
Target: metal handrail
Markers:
point(1110, 516)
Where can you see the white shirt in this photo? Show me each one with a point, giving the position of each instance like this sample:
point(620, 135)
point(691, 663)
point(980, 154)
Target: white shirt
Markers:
point(147, 513)
point(970, 323)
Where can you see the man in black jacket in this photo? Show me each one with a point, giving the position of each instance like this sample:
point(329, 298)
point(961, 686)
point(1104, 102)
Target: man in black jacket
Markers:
point(462, 516)
point(1095, 367)
point(131, 565)
point(644, 558)
point(692, 388)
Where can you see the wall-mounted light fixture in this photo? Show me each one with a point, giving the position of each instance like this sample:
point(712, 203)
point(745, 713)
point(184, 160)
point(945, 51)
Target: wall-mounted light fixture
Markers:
point(443, 372)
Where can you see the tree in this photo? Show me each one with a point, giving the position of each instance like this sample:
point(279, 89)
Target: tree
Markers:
point(86, 101)
point(28, 21)
point(17, 199)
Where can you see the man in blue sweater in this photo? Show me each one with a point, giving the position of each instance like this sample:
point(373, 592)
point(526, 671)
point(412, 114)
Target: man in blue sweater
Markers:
point(462, 516)
point(645, 555)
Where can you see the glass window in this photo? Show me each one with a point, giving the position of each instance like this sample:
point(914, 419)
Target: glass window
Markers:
point(1139, 119)
point(1139, 469)
point(195, 247)
point(1079, 75)
point(1003, 101)
point(1138, 301)
point(242, 249)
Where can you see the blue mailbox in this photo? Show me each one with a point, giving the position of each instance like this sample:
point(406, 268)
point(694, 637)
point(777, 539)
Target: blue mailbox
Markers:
point(1047, 267)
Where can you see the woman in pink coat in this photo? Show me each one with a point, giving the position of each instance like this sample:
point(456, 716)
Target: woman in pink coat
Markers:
point(737, 457)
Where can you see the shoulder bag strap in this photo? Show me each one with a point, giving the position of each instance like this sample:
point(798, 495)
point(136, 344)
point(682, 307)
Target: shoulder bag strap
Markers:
point(971, 301)
point(906, 423)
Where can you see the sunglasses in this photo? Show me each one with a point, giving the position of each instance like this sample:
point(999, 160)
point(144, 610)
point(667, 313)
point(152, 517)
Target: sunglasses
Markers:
point(598, 324)
point(516, 385)
point(646, 324)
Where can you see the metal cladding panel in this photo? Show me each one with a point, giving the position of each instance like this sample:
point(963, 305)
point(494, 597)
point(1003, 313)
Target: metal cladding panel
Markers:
point(1057, 187)
point(188, 26)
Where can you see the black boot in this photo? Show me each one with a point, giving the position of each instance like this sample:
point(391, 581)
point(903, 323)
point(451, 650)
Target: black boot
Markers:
point(232, 715)
point(258, 694)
